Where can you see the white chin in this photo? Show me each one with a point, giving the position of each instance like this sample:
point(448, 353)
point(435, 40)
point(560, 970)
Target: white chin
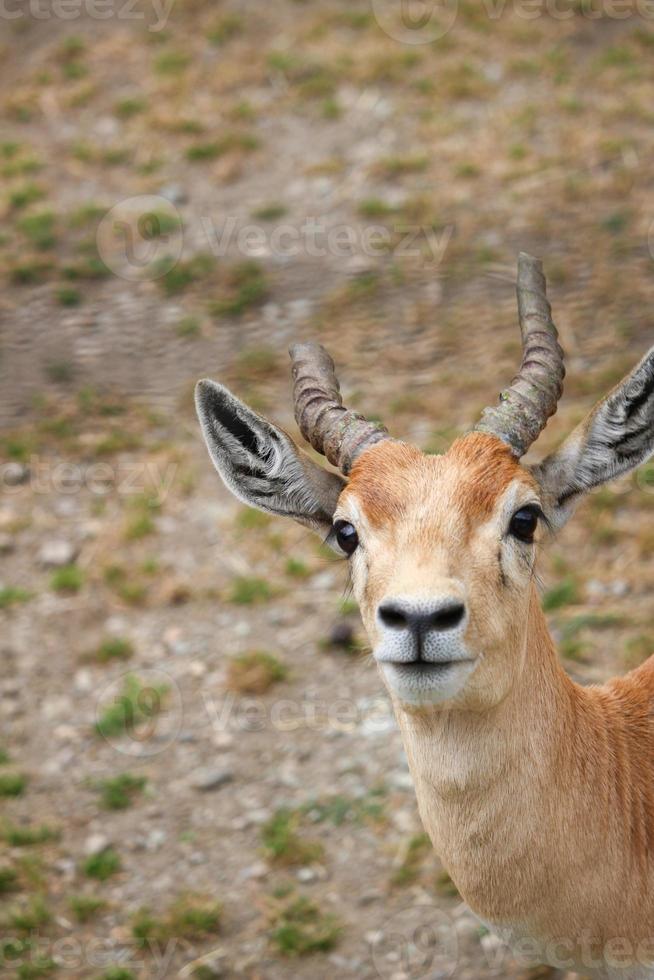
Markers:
point(425, 683)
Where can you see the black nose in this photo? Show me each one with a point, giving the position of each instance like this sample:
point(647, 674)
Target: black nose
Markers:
point(401, 617)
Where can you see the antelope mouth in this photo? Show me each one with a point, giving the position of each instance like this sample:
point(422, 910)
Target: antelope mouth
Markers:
point(427, 682)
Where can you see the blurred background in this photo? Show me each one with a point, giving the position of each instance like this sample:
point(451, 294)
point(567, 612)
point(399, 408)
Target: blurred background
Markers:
point(199, 773)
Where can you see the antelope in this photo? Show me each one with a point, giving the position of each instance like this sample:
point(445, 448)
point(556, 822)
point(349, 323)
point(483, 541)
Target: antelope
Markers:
point(537, 793)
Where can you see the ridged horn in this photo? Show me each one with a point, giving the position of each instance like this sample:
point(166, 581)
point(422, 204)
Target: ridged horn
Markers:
point(331, 428)
point(533, 395)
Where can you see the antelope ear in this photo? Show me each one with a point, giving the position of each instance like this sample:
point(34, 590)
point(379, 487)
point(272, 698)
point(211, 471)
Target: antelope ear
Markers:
point(261, 464)
point(616, 437)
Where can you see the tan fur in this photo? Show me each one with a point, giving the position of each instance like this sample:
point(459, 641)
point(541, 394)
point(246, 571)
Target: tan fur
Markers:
point(537, 794)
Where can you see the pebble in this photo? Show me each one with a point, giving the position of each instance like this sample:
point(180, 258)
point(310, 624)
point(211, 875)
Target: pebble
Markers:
point(401, 780)
point(255, 872)
point(174, 193)
point(7, 544)
point(324, 580)
point(13, 474)
point(207, 780)
point(96, 844)
point(55, 554)
point(342, 635)
point(155, 839)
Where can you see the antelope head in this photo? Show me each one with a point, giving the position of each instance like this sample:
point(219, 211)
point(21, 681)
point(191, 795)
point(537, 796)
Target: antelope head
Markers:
point(442, 549)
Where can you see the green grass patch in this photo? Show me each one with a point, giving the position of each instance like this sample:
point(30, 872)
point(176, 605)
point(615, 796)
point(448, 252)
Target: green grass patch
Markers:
point(19, 835)
point(128, 108)
point(119, 792)
point(283, 844)
point(184, 273)
point(9, 881)
point(296, 568)
point(117, 441)
point(111, 649)
point(445, 886)
point(339, 809)
point(12, 784)
point(236, 142)
point(103, 865)
point(246, 286)
point(191, 917)
point(39, 229)
point(11, 595)
point(300, 928)
point(85, 908)
point(30, 916)
point(129, 589)
point(20, 197)
point(37, 966)
point(391, 168)
point(246, 591)
point(68, 579)
point(564, 593)
point(189, 327)
point(136, 704)
point(638, 649)
point(374, 207)
point(248, 519)
point(418, 847)
point(270, 212)
point(30, 272)
point(68, 296)
point(172, 62)
point(224, 29)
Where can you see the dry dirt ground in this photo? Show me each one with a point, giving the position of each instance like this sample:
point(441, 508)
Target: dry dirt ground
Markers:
point(164, 801)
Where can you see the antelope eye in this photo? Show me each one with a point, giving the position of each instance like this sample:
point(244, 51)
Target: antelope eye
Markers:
point(524, 523)
point(346, 536)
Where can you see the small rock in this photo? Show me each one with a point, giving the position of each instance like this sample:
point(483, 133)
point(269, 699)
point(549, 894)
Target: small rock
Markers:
point(342, 635)
point(7, 544)
point(208, 780)
point(174, 193)
point(83, 680)
point(305, 875)
point(13, 474)
point(324, 580)
point(401, 780)
point(155, 839)
point(300, 309)
point(369, 898)
point(212, 964)
point(96, 844)
point(255, 872)
point(55, 554)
